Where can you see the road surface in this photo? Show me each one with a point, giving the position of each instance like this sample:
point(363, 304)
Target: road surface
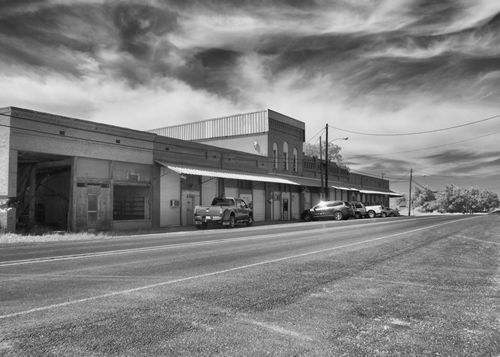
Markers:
point(210, 292)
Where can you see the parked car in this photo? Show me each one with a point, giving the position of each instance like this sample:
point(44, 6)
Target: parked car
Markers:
point(337, 210)
point(225, 211)
point(381, 211)
point(374, 211)
point(359, 209)
point(390, 212)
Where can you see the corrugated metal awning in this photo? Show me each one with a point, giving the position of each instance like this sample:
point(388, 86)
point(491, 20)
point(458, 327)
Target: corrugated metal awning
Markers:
point(190, 170)
point(387, 193)
point(306, 181)
point(344, 188)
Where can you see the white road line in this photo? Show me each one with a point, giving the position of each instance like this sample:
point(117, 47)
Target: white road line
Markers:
point(172, 246)
point(476, 240)
point(278, 329)
point(219, 272)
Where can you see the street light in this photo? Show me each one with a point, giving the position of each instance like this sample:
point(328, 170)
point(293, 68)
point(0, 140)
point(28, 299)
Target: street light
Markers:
point(327, 189)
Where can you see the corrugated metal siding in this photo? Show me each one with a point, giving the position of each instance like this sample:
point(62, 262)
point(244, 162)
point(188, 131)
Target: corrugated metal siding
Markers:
point(240, 124)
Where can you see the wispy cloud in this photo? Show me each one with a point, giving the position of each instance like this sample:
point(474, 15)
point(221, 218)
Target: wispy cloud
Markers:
point(371, 66)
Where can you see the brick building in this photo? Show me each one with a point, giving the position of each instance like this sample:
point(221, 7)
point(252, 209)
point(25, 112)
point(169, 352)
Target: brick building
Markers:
point(63, 173)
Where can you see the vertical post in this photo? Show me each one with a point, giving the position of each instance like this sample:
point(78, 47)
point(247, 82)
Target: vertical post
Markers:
point(327, 189)
point(32, 197)
point(409, 195)
point(322, 191)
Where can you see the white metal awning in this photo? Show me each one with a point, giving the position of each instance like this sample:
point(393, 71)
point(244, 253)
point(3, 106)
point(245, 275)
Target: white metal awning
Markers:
point(393, 194)
point(189, 170)
point(344, 188)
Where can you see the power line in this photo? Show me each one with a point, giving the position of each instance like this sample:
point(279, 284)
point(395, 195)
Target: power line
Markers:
point(426, 148)
point(315, 135)
point(418, 132)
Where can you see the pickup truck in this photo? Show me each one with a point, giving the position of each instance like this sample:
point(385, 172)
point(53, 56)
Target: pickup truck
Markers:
point(224, 211)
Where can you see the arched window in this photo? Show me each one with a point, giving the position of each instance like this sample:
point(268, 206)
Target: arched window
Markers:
point(285, 156)
point(275, 155)
point(295, 163)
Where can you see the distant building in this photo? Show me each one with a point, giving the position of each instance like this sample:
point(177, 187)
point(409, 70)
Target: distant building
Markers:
point(62, 173)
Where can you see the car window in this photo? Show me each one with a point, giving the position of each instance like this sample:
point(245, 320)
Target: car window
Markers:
point(222, 202)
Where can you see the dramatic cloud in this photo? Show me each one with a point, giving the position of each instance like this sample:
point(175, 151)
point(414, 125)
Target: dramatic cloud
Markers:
point(366, 67)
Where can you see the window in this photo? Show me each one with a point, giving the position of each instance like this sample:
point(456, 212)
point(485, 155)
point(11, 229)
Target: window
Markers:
point(129, 202)
point(275, 155)
point(222, 202)
point(285, 155)
point(295, 164)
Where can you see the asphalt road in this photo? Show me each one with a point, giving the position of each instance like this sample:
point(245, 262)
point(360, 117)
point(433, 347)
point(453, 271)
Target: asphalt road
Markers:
point(197, 292)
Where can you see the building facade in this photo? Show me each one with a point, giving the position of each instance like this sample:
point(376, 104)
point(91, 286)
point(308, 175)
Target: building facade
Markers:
point(68, 174)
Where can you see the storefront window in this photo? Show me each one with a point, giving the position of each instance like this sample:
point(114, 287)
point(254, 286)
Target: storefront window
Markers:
point(285, 155)
point(129, 202)
point(295, 166)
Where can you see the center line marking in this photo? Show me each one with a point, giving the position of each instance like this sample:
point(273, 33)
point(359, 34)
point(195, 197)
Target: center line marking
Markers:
point(165, 247)
point(219, 272)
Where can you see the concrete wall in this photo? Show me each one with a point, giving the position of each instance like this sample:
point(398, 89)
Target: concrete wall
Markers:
point(8, 174)
point(52, 134)
point(256, 144)
point(170, 196)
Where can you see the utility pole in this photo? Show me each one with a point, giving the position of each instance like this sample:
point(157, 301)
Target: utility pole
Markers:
point(327, 190)
point(321, 167)
point(409, 195)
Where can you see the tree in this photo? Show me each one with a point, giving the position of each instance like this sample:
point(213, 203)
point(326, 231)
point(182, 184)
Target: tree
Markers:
point(454, 199)
point(422, 196)
point(402, 201)
point(333, 152)
point(489, 200)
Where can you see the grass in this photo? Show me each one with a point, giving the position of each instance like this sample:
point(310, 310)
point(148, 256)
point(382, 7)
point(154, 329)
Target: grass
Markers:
point(49, 237)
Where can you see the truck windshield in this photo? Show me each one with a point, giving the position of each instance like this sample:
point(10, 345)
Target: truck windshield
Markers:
point(222, 202)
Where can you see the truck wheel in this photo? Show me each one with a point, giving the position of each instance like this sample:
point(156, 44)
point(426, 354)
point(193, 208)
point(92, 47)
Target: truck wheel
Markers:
point(371, 214)
point(338, 216)
point(250, 221)
point(383, 214)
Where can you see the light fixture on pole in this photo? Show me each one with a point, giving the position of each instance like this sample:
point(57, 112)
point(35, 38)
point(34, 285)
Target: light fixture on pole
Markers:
point(327, 189)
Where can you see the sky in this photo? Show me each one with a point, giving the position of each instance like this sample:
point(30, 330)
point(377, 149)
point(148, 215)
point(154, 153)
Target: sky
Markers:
point(414, 84)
